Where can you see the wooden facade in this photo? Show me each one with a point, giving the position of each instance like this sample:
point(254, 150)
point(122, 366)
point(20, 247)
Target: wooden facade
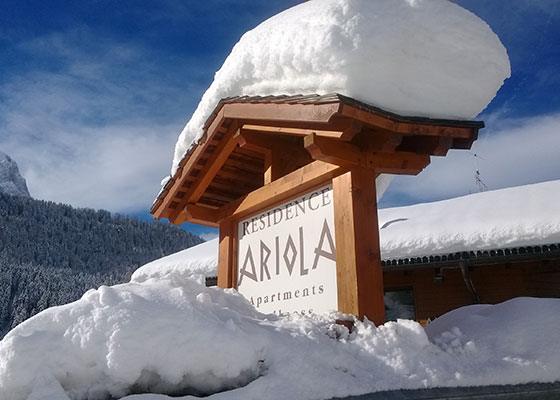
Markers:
point(441, 286)
point(257, 152)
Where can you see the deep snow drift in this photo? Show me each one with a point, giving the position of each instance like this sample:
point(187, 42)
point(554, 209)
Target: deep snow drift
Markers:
point(412, 57)
point(173, 335)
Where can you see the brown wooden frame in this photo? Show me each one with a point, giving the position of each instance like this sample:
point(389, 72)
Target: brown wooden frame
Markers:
point(258, 152)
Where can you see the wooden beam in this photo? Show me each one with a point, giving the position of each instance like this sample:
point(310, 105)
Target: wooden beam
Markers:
point(431, 145)
point(354, 127)
point(358, 261)
point(400, 163)
point(236, 188)
point(212, 202)
point(303, 179)
point(197, 214)
point(249, 152)
point(214, 163)
point(281, 111)
point(207, 172)
point(272, 166)
point(162, 210)
point(442, 147)
point(244, 165)
point(262, 141)
point(279, 130)
point(464, 144)
point(244, 178)
point(249, 163)
point(283, 154)
point(224, 196)
point(227, 254)
point(406, 128)
point(349, 155)
point(378, 140)
point(332, 151)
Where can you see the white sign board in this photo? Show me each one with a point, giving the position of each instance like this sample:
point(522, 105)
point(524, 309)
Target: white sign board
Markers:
point(287, 257)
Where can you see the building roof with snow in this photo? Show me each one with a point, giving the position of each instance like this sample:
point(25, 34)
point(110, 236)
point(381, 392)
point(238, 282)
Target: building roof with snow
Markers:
point(517, 222)
point(480, 224)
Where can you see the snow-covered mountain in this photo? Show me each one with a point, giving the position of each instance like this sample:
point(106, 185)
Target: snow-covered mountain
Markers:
point(11, 182)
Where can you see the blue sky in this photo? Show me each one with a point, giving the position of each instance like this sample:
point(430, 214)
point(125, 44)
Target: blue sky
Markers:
point(93, 95)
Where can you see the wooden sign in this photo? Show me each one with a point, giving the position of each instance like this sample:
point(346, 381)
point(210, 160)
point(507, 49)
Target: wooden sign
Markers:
point(261, 160)
point(287, 256)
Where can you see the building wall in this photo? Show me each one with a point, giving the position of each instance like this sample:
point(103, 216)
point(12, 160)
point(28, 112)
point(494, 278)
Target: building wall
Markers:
point(494, 283)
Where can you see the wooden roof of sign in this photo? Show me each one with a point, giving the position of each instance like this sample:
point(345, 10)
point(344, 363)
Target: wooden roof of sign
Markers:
point(254, 148)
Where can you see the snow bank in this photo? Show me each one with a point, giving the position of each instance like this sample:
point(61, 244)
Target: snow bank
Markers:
point(491, 332)
point(178, 337)
point(417, 58)
point(157, 336)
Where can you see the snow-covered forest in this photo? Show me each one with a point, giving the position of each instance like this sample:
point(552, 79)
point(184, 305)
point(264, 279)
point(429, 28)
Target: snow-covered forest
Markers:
point(50, 254)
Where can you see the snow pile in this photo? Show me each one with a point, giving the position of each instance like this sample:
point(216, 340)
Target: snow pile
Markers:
point(11, 182)
point(417, 58)
point(518, 216)
point(473, 329)
point(158, 336)
point(176, 336)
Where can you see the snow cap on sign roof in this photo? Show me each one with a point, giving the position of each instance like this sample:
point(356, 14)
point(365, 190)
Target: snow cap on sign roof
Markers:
point(410, 57)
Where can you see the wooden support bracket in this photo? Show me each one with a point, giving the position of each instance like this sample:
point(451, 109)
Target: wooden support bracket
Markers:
point(354, 127)
point(282, 154)
point(379, 141)
point(332, 151)
point(429, 145)
point(212, 166)
point(197, 214)
point(406, 128)
point(228, 143)
point(286, 131)
point(349, 155)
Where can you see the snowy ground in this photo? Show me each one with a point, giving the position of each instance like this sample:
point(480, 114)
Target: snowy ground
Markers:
point(165, 332)
point(174, 335)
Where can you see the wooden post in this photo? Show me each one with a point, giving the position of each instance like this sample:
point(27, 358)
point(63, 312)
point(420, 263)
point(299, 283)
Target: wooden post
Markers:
point(271, 166)
point(226, 254)
point(358, 261)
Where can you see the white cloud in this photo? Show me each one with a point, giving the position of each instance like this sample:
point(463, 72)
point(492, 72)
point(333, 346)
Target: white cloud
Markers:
point(518, 153)
point(116, 168)
point(96, 126)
